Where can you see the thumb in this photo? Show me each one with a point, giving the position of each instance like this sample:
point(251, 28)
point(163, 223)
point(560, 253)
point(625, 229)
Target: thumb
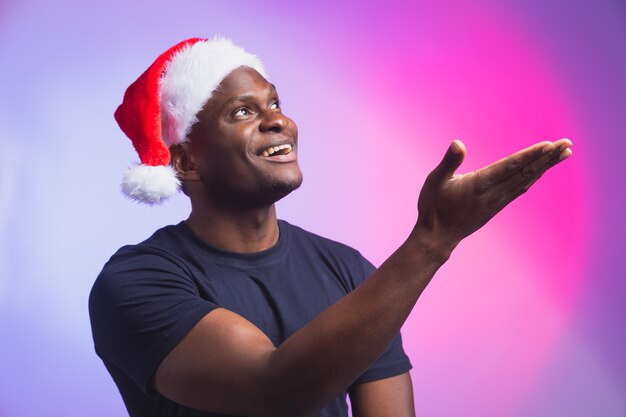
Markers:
point(451, 161)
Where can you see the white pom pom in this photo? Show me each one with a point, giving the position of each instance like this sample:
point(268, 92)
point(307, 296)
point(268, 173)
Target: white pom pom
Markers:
point(150, 184)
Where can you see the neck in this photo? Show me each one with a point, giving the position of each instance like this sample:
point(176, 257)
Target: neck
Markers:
point(243, 231)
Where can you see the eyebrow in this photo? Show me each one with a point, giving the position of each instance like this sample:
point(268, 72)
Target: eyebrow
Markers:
point(272, 89)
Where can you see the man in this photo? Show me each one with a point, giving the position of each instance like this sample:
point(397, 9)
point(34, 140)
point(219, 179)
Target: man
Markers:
point(233, 312)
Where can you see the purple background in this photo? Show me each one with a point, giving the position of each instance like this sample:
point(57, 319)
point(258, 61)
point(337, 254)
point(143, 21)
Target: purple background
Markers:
point(526, 319)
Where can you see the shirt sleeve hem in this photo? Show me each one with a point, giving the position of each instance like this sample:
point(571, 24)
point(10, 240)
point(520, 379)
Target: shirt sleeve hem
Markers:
point(160, 351)
point(388, 372)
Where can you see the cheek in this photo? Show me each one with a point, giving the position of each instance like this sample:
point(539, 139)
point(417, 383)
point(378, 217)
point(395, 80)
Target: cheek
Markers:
point(228, 154)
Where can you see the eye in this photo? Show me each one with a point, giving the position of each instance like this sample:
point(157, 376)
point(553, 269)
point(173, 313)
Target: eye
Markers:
point(242, 111)
point(275, 105)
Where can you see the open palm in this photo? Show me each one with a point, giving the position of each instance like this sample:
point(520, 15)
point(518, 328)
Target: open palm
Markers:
point(456, 205)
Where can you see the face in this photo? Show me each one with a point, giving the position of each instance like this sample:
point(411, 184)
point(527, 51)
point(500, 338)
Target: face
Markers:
point(244, 147)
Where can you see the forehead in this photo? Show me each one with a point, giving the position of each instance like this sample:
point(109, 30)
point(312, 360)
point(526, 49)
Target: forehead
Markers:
point(241, 81)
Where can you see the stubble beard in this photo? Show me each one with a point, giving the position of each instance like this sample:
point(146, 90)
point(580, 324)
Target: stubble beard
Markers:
point(261, 194)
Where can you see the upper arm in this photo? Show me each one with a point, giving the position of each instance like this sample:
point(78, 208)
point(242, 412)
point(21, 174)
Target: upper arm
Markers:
point(149, 321)
point(390, 397)
point(221, 365)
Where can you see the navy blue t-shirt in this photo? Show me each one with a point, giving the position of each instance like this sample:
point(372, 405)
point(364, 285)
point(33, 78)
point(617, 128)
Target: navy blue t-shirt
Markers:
point(149, 296)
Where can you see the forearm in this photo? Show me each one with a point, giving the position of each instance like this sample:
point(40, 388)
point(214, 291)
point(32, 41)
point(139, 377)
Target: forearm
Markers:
point(228, 357)
point(335, 348)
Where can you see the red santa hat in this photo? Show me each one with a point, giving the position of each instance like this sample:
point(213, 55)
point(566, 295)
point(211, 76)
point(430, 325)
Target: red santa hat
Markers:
point(160, 108)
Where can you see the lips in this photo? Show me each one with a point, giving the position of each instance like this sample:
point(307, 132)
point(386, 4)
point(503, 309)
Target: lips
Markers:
point(277, 150)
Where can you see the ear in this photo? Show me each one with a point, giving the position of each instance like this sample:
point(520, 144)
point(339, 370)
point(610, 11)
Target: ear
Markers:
point(183, 162)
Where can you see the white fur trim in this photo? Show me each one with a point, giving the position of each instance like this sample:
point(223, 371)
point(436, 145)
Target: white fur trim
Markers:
point(150, 184)
point(190, 79)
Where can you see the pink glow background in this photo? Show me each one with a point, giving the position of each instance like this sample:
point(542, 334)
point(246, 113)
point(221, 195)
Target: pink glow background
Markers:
point(527, 317)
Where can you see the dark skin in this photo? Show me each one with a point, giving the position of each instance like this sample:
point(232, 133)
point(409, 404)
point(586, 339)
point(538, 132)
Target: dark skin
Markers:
point(232, 187)
point(226, 364)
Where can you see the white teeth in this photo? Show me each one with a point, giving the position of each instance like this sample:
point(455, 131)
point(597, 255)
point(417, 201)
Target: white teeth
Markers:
point(273, 149)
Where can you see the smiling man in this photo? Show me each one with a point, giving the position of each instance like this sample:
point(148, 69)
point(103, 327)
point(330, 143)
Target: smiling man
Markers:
point(235, 313)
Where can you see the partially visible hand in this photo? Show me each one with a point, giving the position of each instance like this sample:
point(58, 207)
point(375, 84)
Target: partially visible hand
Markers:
point(453, 206)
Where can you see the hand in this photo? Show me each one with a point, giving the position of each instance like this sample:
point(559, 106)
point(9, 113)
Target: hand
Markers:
point(453, 206)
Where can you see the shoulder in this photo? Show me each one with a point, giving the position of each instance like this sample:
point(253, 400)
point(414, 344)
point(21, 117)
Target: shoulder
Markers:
point(143, 302)
point(134, 268)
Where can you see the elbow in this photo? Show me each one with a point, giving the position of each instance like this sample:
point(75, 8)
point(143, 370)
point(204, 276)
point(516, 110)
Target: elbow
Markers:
point(284, 402)
point(286, 397)
point(290, 408)
point(292, 391)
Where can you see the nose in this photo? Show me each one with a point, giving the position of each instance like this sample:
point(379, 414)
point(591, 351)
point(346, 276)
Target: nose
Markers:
point(273, 121)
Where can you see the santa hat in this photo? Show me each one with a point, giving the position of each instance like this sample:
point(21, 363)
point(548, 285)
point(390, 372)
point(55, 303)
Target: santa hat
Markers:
point(160, 108)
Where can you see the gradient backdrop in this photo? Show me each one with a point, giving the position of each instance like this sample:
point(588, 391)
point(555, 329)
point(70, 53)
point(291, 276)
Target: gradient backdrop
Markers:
point(527, 317)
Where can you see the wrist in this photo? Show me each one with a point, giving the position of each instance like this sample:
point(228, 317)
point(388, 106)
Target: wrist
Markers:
point(434, 245)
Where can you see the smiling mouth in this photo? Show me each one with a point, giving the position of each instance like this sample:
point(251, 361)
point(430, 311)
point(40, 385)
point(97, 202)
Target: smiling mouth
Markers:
point(276, 150)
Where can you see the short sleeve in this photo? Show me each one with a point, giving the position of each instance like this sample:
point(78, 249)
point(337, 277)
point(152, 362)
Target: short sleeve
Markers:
point(394, 360)
point(141, 305)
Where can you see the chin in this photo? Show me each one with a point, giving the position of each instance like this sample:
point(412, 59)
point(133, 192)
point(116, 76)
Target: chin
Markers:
point(260, 194)
point(275, 190)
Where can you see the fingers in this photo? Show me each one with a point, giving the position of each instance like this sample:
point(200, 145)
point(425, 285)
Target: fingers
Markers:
point(529, 175)
point(505, 167)
point(520, 182)
point(514, 164)
point(450, 162)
